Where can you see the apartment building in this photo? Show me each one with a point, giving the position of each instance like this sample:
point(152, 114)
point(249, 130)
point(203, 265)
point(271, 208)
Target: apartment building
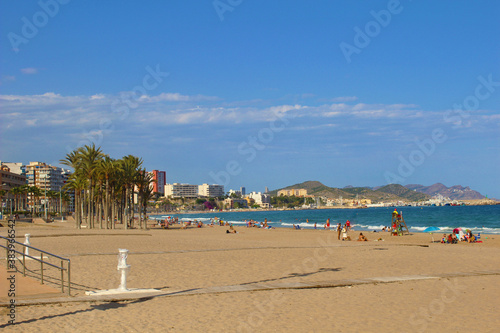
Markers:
point(211, 191)
point(298, 192)
point(177, 190)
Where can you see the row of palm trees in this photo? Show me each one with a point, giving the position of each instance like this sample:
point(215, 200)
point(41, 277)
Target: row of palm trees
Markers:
point(104, 188)
point(20, 195)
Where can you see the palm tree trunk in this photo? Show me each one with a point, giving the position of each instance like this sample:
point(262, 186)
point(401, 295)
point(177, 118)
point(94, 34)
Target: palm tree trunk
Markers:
point(106, 205)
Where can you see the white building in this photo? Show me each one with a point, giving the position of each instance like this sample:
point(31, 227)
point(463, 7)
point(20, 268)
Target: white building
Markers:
point(211, 191)
point(177, 190)
point(261, 199)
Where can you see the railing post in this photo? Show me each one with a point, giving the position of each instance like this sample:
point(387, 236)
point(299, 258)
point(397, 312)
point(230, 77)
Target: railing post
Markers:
point(27, 242)
point(69, 278)
point(24, 264)
point(41, 265)
point(62, 277)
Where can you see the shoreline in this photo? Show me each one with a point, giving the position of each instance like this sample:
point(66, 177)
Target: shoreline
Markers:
point(306, 209)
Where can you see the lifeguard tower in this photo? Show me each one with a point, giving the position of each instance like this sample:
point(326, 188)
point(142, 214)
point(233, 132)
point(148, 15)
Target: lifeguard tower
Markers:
point(398, 224)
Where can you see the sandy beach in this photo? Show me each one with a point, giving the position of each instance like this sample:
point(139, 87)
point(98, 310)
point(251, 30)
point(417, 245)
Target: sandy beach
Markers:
point(420, 287)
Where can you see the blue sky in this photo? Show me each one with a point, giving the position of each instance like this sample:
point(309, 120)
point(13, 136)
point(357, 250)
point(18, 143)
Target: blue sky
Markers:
point(259, 93)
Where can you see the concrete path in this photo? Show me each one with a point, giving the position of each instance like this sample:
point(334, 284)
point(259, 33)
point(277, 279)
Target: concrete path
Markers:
point(24, 287)
point(51, 299)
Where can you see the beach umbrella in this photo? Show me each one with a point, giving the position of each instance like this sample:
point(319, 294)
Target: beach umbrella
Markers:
point(430, 230)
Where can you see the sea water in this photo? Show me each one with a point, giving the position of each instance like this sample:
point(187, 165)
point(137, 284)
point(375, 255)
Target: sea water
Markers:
point(480, 219)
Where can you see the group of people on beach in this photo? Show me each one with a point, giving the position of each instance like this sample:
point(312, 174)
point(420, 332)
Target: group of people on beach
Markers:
point(255, 224)
point(339, 225)
point(459, 236)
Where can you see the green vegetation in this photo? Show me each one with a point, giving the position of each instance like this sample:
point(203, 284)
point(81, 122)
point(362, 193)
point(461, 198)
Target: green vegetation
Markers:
point(104, 188)
point(290, 201)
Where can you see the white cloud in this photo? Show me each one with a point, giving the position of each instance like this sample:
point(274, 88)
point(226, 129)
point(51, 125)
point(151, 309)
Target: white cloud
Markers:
point(344, 99)
point(168, 109)
point(29, 70)
point(7, 78)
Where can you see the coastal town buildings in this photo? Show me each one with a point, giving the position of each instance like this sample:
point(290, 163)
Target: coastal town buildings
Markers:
point(47, 178)
point(239, 193)
point(298, 192)
point(261, 199)
point(231, 203)
point(36, 174)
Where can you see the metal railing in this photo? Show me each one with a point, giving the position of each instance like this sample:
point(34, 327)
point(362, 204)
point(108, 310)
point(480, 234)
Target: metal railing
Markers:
point(9, 256)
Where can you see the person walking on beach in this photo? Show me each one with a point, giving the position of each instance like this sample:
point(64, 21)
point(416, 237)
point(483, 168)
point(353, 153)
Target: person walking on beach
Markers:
point(339, 230)
point(327, 225)
point(348, 225)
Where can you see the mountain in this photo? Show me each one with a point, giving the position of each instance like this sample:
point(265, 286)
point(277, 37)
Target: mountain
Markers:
point(456, 192)
point(318, 189)
point(403, 192)
point(391, 192)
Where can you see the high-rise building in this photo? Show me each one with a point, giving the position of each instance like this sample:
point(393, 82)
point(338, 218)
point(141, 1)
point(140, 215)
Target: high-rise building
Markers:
point(159, 181)
point(46, 177)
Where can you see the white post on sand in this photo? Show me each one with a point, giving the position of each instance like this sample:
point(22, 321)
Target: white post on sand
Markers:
point(122, 265)
point(27, 242)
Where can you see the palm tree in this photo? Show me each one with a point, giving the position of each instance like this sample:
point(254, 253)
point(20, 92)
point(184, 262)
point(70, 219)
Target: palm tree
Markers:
point(16, 191)
point(145, 193)
point(2, 193)
point(107, 186)
point(77, 184)
point(35, 194)
point(107, 168)
point(130, 166)
point(24, 192)
point(55, 200)
point(90, 157)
